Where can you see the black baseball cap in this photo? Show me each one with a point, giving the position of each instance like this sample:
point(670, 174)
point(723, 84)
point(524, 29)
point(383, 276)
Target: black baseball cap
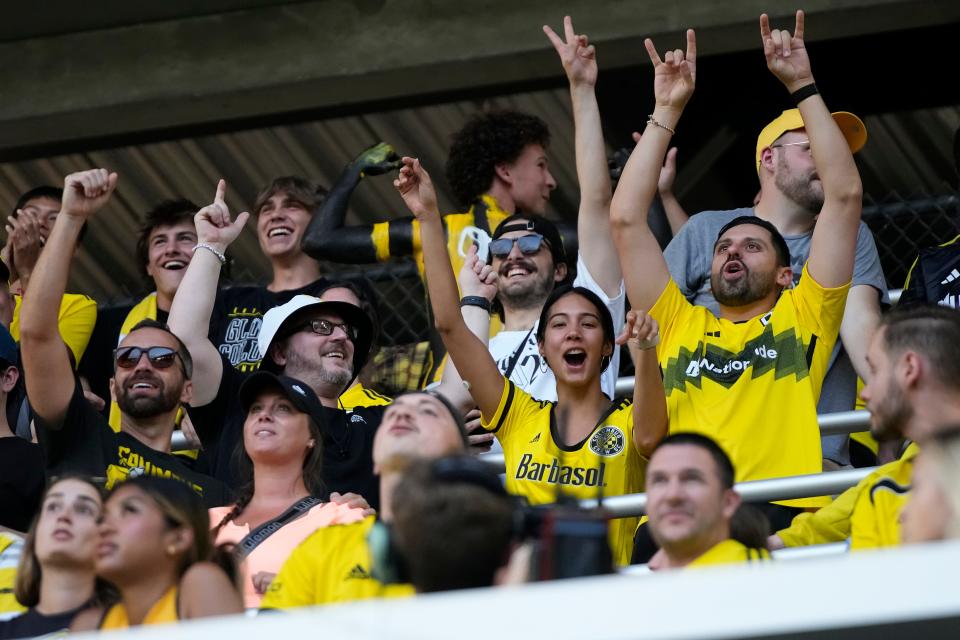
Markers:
point(301, 395)
point(535, 224)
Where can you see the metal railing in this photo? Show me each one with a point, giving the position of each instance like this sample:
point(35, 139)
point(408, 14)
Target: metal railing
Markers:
point(788, 488)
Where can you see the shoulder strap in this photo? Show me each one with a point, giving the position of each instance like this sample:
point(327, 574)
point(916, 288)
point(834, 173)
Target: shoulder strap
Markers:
point(253, 539)
point(515, 357)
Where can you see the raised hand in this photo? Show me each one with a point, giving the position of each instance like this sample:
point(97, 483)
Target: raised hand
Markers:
point(25, 240)
point(376, 160)
point(85, 192)
point(640, 330)
point(477, 278)
point(213, 223)
point(416, 189)
point(786, 54)
point(674, 77)
point(577, 55)
point(668, 173)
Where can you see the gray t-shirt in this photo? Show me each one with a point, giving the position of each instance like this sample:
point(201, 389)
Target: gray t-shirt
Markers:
point(689, 258)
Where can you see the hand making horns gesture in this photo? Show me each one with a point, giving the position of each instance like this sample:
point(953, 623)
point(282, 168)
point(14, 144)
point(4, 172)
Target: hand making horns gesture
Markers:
point(786, 55)
point(577, 55)
point(674, 77)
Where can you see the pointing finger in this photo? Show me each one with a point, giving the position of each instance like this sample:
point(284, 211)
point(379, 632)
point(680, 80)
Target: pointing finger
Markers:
point(221, 190)
point(554, 38)
point(798, 30)
point(691, 46)
point(568, 29)
point(764, 26)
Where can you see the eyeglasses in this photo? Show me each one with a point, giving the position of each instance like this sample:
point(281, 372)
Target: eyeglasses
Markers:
point(323, 327)
point(803, 144)
point(129, 357)
point(528, 244)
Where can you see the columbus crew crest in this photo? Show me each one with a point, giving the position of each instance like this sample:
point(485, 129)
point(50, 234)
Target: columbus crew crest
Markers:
point(608, 441)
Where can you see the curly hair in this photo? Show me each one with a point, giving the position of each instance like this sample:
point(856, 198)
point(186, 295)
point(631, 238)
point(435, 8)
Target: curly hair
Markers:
point(166, 214)
point(487, 140)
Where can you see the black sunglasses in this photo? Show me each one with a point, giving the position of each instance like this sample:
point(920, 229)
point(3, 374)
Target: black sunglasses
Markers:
point(528, 244)
point(160, 357)
point(323, 327)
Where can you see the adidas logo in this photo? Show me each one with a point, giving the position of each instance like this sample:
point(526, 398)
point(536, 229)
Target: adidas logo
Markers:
point(358, 573)
point(536, 438)
point(951, 300)
point(950, 278)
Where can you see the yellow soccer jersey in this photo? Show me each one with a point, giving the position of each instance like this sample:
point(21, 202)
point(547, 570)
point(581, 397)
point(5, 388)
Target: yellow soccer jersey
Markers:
point(485, 213)
point(730, 552)
point(539, 468)
point(875, 522)
point(11, 546)
point(752, 386)
point(867, 513)
point(359, 396)
point(77, 316)
point(332, 565)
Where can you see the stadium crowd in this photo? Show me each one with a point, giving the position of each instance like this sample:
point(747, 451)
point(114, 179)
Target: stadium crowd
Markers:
point(307, 487)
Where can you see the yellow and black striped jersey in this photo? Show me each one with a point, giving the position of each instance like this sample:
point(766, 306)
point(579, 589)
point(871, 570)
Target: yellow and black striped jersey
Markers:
point(752, 386)
point(541, 468)
point(360, 396)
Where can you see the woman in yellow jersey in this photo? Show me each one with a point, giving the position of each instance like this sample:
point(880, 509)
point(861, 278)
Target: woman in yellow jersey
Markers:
point(583, 444)
point(55, 577)
point(155, 547)
point(284, 499)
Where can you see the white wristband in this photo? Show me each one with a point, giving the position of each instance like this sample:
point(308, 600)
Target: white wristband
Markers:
point(203, 245)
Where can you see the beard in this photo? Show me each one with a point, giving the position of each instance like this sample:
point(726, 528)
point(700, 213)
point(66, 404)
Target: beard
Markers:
point(799, 189)
point(528, 293)
point(746, 290)
point(888, 417)
point(313, 373)
point(143, 407)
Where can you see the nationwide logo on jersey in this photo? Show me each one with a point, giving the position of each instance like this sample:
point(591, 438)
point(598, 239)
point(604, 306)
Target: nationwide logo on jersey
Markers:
point(536, 438)
point(607, 441)
point(783, 354)
point(358, 573)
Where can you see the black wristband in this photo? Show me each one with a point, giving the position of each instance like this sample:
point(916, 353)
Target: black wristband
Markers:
point(803, 93)
point(475, 301)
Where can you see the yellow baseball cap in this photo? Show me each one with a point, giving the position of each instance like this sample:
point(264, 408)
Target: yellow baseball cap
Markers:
point(850, 125)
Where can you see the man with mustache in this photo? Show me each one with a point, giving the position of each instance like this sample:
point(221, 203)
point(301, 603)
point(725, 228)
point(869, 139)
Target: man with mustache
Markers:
point(751, 378)
point(791, 197)
point(322, 342)
point(151, 376)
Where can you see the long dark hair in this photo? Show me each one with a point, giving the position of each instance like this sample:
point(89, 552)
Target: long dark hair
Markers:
point(29, 572)
point(312, 474)
point(182, 507)
point(606, 320)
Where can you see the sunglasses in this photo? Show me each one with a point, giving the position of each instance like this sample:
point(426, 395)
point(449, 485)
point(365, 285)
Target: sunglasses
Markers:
point(529, 245)
point(323, 327)
point(159, 357)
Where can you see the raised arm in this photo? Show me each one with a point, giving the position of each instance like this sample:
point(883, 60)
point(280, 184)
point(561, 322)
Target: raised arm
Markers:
point(192, 305)
point(476, 280)
point(650, 423)
point(833, 246)
point(327, 237)
point(46, 361)
point(644, 269)
point(467, 352)
point(676, 215)
point(579, 59)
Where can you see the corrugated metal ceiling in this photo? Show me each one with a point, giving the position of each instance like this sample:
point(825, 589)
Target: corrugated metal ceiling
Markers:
point(907, 153)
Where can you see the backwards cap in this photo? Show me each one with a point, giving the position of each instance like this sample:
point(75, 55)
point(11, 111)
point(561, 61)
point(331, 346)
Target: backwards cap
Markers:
point(850, 125)
point(536, 224)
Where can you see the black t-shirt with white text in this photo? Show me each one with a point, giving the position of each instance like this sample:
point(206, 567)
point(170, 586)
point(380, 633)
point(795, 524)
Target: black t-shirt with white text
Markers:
point(238, 314)
point(85, 443)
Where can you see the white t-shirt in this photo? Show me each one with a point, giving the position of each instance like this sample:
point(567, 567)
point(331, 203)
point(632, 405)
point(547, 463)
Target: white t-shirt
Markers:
point(531, 372)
